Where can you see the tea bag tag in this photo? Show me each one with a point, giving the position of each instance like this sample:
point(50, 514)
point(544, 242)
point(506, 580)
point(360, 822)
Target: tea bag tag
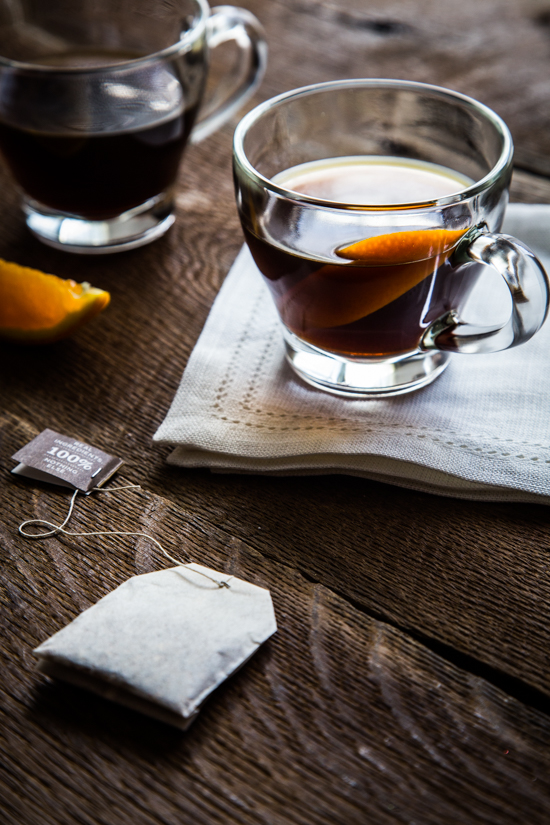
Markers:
point(162, 642)
point(58, 459)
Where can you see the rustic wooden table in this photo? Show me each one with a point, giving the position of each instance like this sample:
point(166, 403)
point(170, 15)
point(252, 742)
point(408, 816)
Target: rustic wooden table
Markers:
point(409, 681)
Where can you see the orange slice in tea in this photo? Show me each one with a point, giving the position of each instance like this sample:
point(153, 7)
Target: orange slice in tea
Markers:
point(36, 308)
point(387, 267)
point(402, 247)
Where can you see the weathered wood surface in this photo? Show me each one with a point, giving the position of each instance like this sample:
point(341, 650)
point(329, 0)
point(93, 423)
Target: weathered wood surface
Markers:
point(409, 681)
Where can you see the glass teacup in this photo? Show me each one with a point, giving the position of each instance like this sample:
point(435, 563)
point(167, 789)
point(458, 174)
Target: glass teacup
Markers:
point(372, 208)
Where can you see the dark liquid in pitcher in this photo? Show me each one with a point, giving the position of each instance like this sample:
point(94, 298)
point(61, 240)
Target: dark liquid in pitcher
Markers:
point(377, 295)
point(103, 171)
point(96, 176)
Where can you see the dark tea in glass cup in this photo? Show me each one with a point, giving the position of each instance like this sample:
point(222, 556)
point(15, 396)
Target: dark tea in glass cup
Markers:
point(98, 101)
point(372, 208)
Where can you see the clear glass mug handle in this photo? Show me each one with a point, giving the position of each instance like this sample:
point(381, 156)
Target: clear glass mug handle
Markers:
point(229, 23)
point(529, 287)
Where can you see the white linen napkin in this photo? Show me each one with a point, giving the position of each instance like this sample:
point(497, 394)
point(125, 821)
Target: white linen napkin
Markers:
point(480, 431)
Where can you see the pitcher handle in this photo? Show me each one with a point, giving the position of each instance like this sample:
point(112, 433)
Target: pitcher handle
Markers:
point(529, 287)
point(229, 23)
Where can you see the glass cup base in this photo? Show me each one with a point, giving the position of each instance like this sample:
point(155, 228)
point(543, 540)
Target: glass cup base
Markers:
point(133, 228)
point(363, 377)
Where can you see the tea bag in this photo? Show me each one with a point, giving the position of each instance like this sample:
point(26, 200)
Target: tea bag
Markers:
point(162, 642)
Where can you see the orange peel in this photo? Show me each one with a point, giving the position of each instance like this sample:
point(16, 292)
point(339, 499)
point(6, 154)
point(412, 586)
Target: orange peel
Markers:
point(37, 308)
point(402, 247)
point(386, 266)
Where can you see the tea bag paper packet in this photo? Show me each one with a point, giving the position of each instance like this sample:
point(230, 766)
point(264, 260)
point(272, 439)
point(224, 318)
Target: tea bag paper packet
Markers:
point(162, 642)
point(61, 460)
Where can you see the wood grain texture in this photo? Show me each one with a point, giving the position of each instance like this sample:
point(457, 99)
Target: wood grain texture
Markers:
point(340, 717)
point(528, 188)
point(409, 681)
point(497, 51)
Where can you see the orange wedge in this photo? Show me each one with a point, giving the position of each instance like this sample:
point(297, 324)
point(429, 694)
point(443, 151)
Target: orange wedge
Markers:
point(333, 296)
point(387, 266)
point(36, 308)
point(402, 247)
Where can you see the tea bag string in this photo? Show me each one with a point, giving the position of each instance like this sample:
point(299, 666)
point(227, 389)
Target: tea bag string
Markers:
point(60, 528)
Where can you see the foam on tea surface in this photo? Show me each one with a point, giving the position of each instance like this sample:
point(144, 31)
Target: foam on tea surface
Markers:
point(373, 180)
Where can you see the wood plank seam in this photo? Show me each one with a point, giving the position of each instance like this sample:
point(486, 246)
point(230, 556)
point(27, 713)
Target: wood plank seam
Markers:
point(521, 691)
